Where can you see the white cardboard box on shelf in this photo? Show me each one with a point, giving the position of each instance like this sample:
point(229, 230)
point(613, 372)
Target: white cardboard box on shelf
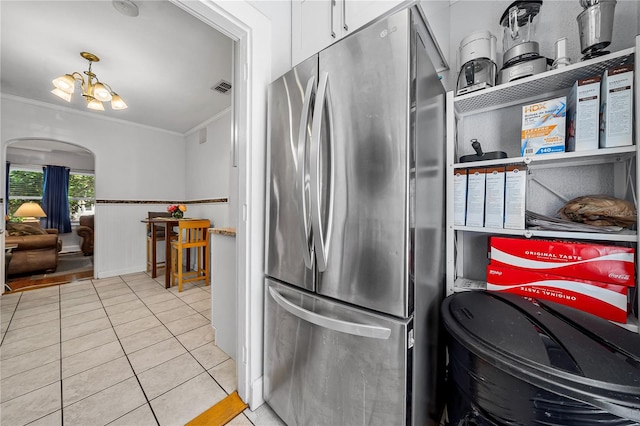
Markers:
point(459, 196)
point(543, 127)
point(514, 195)
point(494, 198)
point(583, 112)
point(475, 196)
point(616, 107)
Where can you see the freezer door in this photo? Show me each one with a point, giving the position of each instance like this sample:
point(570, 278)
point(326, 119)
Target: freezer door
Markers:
point(362, 160)
point(330, 364)
point(289, 245)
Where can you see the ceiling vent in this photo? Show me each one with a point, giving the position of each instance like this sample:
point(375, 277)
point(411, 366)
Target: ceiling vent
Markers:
point(223, 87)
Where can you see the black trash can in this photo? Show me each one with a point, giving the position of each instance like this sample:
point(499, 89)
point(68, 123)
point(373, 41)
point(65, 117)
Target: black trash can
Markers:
point(521, 361)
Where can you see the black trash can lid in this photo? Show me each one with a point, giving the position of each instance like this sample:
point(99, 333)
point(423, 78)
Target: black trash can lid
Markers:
point(552, 346)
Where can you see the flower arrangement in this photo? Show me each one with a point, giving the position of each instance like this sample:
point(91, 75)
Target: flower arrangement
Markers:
point(177, 210)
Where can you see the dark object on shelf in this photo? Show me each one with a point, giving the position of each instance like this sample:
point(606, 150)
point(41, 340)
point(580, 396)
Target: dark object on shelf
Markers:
point(600, 210)
point(481, 156)
point(515, 360)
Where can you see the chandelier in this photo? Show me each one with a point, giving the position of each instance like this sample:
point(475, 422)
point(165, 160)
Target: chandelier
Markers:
point(94, 91)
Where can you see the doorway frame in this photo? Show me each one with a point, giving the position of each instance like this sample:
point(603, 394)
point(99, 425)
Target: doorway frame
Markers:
point(251, 32)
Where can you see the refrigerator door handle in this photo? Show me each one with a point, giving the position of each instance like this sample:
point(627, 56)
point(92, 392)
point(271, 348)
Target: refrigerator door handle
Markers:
point(321, 238)
point(363, 330)
point(332, 6)
point(344, 16)
point(302, 154)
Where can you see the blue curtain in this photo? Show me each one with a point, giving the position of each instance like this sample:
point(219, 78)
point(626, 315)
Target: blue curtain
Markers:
point(6, 189)
point(55, 199)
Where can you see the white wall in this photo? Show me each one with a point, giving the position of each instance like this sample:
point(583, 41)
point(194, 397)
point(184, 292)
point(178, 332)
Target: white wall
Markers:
point(208, 170)
point(127, 161)
point(557, 19)
point(279, 13)
point(132, 162)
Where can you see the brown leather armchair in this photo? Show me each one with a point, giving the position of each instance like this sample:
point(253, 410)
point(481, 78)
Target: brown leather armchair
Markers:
point(85, 231)
point(37, 249)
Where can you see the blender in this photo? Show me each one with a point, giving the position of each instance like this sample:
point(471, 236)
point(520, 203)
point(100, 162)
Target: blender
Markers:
point(595, 24)
point(478, 56)
point(521, 57)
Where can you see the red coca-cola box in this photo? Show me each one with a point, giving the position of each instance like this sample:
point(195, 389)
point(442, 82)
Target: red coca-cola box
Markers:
point(604, 263)
point(608, 301)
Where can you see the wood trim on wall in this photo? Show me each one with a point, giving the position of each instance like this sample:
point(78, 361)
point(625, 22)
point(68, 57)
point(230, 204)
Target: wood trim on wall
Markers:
point(206, 201)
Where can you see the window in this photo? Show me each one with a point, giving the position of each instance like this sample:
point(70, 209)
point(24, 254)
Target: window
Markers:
point(81, 194)
point(25, 184)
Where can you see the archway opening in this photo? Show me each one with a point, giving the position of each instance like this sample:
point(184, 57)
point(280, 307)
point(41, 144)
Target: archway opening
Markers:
point(37, 253)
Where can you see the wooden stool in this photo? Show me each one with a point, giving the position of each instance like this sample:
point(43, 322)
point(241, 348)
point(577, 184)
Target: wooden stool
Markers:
point(191, 234)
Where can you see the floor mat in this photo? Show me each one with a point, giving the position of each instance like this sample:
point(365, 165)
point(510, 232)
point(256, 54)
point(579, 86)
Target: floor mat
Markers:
point(221, 413)
point(69, 263)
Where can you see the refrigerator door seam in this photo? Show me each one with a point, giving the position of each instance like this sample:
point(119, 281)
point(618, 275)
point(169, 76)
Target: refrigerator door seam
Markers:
point(362, 330)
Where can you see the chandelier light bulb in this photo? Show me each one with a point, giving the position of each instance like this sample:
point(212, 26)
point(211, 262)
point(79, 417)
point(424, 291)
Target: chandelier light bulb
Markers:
point(65, 83)
point(93, 103)
point(117, 102)
point(62, 94)
point(101, 93)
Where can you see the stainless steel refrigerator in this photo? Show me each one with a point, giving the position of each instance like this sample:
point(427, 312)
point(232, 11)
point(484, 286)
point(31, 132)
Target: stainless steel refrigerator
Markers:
point(355, 232)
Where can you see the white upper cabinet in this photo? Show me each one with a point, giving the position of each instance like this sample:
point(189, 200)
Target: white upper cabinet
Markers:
point(313, 28)
point(356, 13)
point(315, 24)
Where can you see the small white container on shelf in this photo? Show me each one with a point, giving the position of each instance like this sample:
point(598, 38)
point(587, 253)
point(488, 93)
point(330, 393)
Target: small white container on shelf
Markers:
point(494, 198)
point(459, 197)
point(514, 195)
point(616, 105)
point(475, 196)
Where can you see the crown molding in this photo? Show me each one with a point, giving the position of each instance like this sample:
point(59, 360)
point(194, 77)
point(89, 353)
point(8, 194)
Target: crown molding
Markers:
point(85, 113)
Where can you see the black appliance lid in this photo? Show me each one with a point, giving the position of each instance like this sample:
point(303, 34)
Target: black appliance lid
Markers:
point(529, 8)
point(552, 346)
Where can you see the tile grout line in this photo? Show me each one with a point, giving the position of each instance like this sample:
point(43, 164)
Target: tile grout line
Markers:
point(60, 363)
point(172, 336)
point(60, 326)
point(103, 307)
point(18, 396)
point(11, 319)
point(125, 355)
point(188, 351)
point(155, 417)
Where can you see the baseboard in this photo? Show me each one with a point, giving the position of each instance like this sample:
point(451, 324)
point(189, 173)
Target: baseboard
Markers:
point(256, 398)
point(116, 272)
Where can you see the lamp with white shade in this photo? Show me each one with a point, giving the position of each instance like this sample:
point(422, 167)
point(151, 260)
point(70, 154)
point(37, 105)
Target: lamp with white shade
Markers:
point(30, 212)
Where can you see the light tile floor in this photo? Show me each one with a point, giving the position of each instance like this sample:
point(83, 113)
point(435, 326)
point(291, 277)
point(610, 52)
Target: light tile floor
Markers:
point(117, 351)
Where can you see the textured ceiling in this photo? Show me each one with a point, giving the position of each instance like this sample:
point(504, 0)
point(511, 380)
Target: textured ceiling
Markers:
point(163, 62)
